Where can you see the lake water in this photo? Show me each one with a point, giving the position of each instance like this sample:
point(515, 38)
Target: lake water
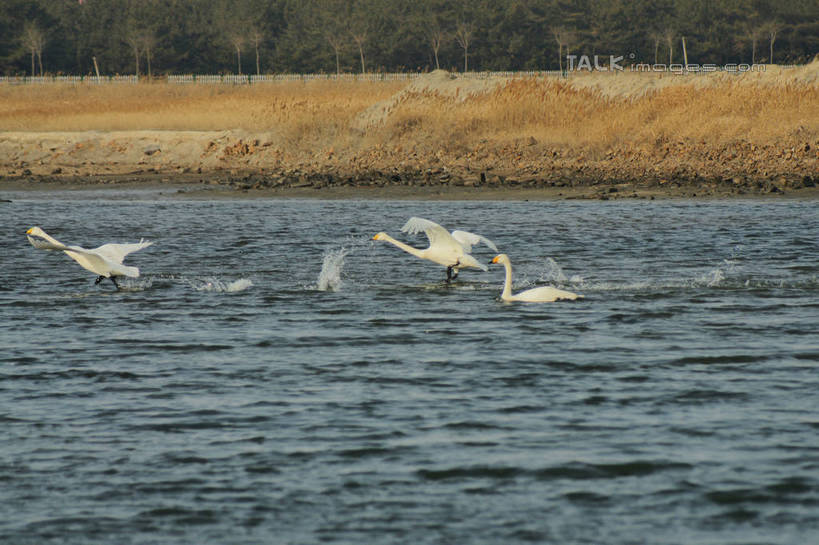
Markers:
point(274, 376)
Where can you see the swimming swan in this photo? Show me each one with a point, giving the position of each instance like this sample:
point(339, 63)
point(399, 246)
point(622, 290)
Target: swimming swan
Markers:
point(106, 261)
point(543, 294)
point(448, 249)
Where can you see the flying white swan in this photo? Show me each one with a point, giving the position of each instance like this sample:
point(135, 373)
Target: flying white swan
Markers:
point(448, 249)
point(545, 294)
point(106, 261)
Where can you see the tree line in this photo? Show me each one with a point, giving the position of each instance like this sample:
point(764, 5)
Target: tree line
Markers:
point(153, 37)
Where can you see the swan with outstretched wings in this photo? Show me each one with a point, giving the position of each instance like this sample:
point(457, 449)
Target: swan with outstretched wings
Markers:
point(451, 250)
point(105, 261)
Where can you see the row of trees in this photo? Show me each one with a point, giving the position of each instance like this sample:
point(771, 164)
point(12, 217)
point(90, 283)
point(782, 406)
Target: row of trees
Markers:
point(213, 36)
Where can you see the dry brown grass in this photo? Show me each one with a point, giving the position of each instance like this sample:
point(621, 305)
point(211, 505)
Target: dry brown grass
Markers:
point(555, 113)
point(317, 116)
point(294, 108)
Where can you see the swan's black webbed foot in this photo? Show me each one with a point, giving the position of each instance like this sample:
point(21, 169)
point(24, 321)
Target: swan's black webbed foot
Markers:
point(114, 280)
point(98, 280)
point(449, 270)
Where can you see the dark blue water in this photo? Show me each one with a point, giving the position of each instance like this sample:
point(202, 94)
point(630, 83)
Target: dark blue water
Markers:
point(223, 397)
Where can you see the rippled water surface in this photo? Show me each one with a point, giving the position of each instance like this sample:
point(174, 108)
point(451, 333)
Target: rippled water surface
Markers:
point(274, 376)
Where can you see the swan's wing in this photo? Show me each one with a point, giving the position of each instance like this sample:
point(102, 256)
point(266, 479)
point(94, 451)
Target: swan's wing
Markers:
point(437, 235)
point(468, 240)
point(91, 260)
point(99, 263)
point(117, 252)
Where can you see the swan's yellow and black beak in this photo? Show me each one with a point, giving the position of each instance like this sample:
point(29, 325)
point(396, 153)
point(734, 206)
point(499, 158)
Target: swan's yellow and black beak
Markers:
point(30, 230)
point(377, 236)
point(495, 259)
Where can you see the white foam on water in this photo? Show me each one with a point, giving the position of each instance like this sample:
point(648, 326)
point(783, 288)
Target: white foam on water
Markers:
point(731, 273)
point(550, 274)
point(239, 285)
point(211, 284)
point(629, 286)
point(135, 284)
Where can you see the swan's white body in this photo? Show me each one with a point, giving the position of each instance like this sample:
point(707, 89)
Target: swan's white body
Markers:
point(452, 250)
point(105, 261)
point(545, 294)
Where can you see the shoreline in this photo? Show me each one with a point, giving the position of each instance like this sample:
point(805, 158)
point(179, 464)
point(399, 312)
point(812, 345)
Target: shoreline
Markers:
point(253, 185)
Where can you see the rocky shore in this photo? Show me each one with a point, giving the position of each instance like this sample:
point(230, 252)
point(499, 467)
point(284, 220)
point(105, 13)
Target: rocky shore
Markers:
point(228, 162)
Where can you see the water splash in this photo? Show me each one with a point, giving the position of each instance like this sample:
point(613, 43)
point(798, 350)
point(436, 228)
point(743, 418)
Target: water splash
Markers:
point(717, 276)
point(220, 286)
point(329, 278)
point(712, 278)
point(135, 284)
point(552, 272)
point(553, 275)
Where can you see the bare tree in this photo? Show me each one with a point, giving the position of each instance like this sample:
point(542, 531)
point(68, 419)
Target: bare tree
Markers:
point(560, 37)
point(564, 39)
point(237, 40)
point(359, 36)
point(435, 37)
point(332, 20)
point(751, 36)
point(337, 43)
point(141, 42)
point(668, 35)
point(135, 43)
point(148, 41)
point(771, 30)
point(256, 38)
point(463, 35)
point(656, 37)
point(570, 38)
point(34, 40)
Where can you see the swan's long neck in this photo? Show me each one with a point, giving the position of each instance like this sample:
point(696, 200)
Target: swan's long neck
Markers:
point(47, 242)
point(51, 239)
point(406, 247)
point(507, 284)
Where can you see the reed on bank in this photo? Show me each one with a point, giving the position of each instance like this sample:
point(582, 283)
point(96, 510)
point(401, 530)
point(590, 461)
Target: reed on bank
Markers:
point(319, 113)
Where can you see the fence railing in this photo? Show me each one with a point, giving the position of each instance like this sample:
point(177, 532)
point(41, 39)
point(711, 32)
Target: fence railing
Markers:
point(232, 79)
point(398, 76)
point(75, 80)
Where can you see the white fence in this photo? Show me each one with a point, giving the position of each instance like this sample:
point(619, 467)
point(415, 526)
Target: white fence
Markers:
point(71, 80)
point(231, 79)
point(403, 76)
